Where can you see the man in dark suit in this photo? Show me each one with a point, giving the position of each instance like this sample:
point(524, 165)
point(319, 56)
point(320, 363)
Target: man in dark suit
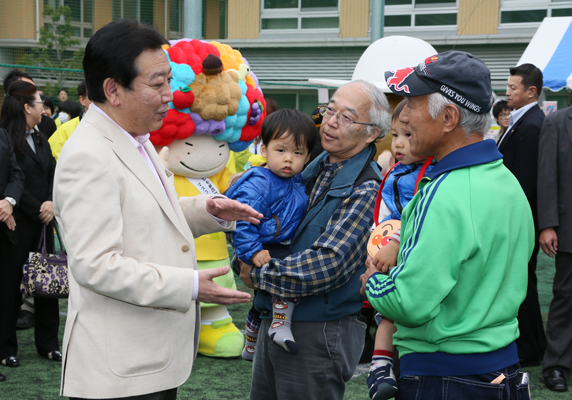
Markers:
point(11, 187)
point(554, 198)
point(519, 146)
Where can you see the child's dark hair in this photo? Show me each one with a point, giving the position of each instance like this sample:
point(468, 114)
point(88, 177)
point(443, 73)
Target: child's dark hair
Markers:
point(398, 109)
point(48, 102)
point(499, 107)
point(294, 122)
point(72, 108)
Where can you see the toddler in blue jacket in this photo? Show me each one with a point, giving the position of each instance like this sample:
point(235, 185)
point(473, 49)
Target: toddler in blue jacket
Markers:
point(275, 190)
point(396, 192)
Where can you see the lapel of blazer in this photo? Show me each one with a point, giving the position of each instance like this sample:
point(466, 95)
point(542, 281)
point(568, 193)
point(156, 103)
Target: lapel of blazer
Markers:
point(135, 162)
point(32, 153)
point(167, 178)
point(515, 127)
point(569, 124)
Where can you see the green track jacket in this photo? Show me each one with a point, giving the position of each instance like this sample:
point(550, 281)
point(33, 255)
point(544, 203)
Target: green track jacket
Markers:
point(461, 275)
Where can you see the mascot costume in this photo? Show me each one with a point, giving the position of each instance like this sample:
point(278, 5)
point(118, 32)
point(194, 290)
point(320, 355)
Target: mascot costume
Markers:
point(217, 107)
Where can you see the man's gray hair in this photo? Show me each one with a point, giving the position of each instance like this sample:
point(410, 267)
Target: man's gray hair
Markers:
point(379, 111)
point(469, 121)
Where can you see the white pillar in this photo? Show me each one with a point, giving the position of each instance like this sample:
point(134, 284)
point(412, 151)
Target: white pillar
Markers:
point(193, 19)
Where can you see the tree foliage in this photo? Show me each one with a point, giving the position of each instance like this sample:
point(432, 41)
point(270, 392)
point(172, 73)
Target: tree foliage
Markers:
point(56, 48)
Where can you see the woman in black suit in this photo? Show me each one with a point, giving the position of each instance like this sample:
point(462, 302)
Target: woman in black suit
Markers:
point(21, 112)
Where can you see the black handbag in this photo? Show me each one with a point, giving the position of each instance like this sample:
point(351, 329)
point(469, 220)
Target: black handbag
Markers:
point(46, 275)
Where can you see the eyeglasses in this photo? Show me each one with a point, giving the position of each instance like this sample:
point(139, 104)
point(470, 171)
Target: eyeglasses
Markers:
point(342, 119)
point(40, 102)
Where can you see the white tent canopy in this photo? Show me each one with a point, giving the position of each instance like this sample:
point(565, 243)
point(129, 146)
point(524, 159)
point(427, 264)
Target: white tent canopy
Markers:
point(550, 50)
point(385, 54)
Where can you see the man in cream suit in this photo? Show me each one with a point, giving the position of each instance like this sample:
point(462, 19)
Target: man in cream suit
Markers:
point(133, 317)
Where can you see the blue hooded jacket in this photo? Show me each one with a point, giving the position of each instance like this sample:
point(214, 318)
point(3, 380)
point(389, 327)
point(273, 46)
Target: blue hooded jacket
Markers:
point(399, 188)
point(283, 201)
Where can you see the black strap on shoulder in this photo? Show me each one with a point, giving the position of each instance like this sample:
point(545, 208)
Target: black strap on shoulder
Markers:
point(371, 171)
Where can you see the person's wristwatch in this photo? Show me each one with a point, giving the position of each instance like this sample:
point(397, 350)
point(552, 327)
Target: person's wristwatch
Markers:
point(10, 200)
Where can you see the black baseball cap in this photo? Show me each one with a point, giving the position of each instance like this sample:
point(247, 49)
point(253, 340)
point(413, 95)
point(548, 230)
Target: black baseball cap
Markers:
point(457, 75)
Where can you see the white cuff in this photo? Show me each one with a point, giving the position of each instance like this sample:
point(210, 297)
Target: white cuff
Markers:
point(196, 285)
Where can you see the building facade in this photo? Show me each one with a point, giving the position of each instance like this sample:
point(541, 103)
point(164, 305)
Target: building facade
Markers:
point(288, 42)
point(20, 23)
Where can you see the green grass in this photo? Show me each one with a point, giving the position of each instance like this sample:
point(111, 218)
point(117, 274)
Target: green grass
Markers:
point(39, 379)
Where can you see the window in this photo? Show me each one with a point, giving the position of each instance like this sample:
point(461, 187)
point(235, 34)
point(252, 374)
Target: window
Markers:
point(279, 23)
point(299, 14)
point(176, 17)
point(422, 3)
point(320, 23)
point(522, 16)
point(140, 10)
point(434, 3)
point(305, 4)
point(562, 12)
point(397, 2)
point(420, 13)
point(435, 19)
point(321, 4)
point(305, 101)
point(532, 12)
point(397, 20)
point(268, 4)
point(82, 15)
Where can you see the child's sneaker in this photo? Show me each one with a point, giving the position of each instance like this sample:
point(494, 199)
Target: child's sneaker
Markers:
point(381, 381)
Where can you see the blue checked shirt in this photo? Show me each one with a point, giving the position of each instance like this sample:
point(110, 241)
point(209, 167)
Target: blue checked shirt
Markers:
point(334, 256)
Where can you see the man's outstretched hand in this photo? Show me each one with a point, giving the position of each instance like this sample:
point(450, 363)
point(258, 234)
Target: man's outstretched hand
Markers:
point(232, 210)
point(210, 292)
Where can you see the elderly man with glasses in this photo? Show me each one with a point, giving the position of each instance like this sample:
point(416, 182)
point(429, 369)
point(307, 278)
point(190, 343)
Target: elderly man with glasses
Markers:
point(328, 257)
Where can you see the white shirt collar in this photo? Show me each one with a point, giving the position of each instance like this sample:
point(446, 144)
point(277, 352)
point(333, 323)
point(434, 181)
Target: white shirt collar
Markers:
point(30, 139)
point(515, 115)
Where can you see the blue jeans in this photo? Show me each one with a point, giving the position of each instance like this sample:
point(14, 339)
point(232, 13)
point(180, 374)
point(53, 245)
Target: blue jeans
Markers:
point(478, 387)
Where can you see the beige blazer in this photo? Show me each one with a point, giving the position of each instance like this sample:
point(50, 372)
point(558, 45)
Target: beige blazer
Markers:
point(132, 326)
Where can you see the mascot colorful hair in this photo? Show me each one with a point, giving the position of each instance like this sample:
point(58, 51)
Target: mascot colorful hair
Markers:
point(214, 93)
point(217, 107)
